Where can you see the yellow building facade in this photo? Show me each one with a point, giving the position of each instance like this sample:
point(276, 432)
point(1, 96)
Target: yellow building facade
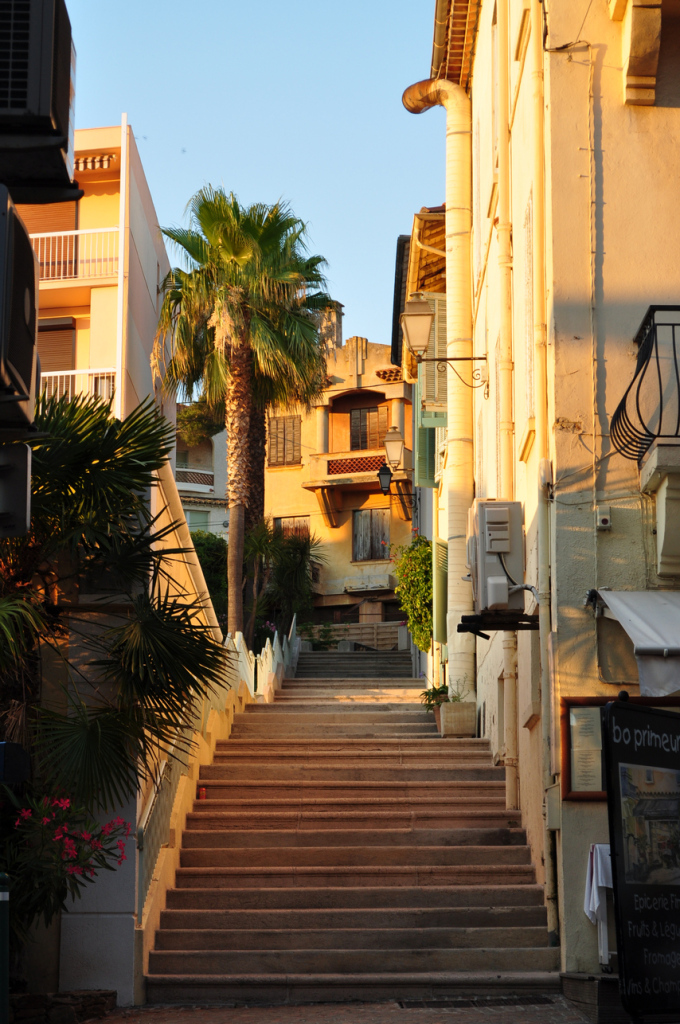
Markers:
point(321, 479)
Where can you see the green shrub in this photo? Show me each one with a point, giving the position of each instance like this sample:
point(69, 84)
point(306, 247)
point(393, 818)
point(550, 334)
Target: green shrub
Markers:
point(413, 569)
point(212, 554)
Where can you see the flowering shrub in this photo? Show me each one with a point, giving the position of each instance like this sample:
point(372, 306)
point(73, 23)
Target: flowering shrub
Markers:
point(51, 853)
point(413, 569)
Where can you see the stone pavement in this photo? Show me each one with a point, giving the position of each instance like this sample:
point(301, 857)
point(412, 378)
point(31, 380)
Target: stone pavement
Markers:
point(551, 1009)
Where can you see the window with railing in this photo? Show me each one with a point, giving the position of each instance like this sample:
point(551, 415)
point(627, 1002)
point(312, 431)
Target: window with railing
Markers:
point(64, 255)
point(650, 407)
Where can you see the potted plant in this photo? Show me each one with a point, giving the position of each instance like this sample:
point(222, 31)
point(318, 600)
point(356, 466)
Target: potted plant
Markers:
point(433, 698)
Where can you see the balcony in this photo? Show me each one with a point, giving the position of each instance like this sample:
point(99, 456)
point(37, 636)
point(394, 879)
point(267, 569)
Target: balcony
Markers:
point(201, 481)
point(69, 383)
point(71, 255)
point(330, 473)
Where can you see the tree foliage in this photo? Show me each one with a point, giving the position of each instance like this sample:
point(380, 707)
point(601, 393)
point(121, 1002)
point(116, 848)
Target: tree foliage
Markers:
point(413, 569)
point(199, 422)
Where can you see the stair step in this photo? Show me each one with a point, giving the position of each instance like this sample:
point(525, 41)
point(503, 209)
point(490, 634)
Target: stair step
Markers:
point(377, 986)
point(341, 961)
point(366, 917)
point(364, 938)
point(352, 875)
point(313, 821)
point(198, 838)
point(369, 856)
point(261, 897)
point(265, 772)
point(464, 791)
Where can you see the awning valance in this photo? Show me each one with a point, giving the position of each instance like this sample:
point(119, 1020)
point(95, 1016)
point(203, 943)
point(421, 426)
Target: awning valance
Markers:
point(651, 618)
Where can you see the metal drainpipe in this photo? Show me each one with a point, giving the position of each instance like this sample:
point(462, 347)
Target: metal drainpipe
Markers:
point(459, 467)
point(506, 425)
point(541, 379)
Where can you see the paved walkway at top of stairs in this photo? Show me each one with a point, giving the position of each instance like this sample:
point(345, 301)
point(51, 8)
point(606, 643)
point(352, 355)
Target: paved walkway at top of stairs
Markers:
point(552, 1009)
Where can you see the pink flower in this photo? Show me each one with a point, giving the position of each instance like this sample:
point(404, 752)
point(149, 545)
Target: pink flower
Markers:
point(74, 869)
point(64, 803)
point(25, 812)
point(121, 859)
point(96, 844)
point(86, 836)
point(107, 829)
point(121, 845)
point(46, 821)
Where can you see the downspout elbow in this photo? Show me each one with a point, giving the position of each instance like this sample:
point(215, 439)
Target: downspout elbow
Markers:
point(434, 92)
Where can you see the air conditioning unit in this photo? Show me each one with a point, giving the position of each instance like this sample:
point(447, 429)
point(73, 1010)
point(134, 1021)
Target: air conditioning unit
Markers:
point(495, 555)
point(19, 275)
point(37, 94)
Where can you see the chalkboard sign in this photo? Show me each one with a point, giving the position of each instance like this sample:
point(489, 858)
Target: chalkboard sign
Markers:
point(642, 767)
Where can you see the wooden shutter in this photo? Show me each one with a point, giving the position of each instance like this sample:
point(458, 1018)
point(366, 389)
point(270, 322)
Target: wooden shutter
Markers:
point(56, 349)
point(425, 457)
point(296, 431)
point(440, 562)
point(361, 543)
point(382, 425)
point(433, 380)
point(380, 533)
point(355, 430)
point(276, 441)
point(289, 448)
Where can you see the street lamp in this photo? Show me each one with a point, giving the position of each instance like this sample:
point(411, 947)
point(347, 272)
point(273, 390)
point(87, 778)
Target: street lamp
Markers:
point(385, 478)
point(394, 447)
point(416, 323)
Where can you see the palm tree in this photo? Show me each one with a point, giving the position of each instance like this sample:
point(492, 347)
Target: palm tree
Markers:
point(127, 687)
point(243, 326)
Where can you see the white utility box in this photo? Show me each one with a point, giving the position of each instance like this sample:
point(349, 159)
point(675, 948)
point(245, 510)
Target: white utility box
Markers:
point(495, 555)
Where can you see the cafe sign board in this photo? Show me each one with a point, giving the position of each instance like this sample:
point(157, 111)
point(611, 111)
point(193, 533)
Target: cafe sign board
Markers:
point(642, 772)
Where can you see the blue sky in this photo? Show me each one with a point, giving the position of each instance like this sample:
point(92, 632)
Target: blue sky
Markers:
point(300, 100)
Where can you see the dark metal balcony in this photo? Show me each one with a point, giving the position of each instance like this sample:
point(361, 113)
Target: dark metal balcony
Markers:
point(650, 407)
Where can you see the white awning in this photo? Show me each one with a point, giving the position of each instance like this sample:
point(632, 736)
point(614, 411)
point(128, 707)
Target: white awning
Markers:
point(651, 618)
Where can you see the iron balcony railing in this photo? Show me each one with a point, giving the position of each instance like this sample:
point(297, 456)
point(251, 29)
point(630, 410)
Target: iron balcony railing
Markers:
point(650, 407)
point(64, 255)
point(69, 383)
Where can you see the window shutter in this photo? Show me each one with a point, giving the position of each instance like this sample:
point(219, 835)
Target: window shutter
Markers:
point(56, 350)
point(371, 428)
point(288, 434)
point(380, 547)
point(362, 536)
point(272, 441)
point(382, 425)
point(355, 430)
point(440, 562)
point(425, 457)
point(297, 427)
point(433, 381)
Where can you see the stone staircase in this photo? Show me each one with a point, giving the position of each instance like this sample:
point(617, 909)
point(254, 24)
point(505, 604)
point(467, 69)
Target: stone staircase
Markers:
point(354, 665)
point(346, 852)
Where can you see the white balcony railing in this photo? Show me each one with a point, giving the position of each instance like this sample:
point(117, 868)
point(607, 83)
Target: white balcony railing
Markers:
point(101, 382)
point(65, 255)
point(191, 477)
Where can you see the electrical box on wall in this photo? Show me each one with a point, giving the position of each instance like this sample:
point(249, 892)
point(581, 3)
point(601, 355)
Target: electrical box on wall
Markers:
point(495, 555)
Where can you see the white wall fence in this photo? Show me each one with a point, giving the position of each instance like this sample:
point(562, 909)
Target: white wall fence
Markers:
point(175, 785)
point(64, 255)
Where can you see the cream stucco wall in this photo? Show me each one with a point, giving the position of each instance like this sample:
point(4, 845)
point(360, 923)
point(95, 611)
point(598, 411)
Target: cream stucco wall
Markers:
point(611, 191)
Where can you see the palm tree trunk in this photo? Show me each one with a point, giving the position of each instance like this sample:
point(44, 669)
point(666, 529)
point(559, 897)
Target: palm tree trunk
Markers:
point(257, 456)
point(238, 417)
